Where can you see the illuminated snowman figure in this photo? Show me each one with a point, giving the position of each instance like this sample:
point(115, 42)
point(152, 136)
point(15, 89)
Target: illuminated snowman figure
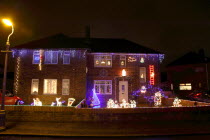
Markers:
point(177, 102)
point(157, 99)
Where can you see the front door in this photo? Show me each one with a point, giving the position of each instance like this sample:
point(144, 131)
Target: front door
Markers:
point(123, 90)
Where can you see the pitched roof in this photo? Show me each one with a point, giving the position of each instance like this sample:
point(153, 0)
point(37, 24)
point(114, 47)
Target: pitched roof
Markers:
point(190, 58)
point(94, 44)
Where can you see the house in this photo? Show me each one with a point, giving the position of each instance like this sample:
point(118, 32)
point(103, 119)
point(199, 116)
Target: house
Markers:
point(189, 73)
point(60, 66)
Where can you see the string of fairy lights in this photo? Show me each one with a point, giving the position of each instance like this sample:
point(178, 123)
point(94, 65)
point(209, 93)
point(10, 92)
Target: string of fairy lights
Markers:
point(17, 74)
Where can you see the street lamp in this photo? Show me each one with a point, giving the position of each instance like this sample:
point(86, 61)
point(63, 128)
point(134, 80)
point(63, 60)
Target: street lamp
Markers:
point(2, 112)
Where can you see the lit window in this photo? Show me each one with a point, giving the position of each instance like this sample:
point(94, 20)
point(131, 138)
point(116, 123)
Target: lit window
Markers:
point(50, 86)
point(142, 74)
point(103, 86)
point(122, 61)
point(102, 60)
point(186, 86)
point(65, 86)
point(36, 57)
point(51, 57)
point(34, 86)
point(66, 57)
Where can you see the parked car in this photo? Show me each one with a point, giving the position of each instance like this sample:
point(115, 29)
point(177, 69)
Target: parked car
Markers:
point(10, 98)
point(201, 96)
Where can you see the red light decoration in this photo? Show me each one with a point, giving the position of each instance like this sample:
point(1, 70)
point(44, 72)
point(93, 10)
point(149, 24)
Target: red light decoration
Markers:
point(152, 74)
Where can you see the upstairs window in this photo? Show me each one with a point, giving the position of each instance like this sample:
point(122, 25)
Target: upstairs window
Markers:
point(50, 86)
point(36, 57)
point(186, 86)
point(66, 57)
point(122, 61)
point(102, 60)
point(51, 57)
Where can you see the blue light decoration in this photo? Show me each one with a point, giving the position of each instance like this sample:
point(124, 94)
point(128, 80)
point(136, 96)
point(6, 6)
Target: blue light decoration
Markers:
point(161, 57)
point(95, 102)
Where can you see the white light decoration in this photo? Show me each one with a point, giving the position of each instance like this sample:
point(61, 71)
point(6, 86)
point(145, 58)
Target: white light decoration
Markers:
point(161, 57)
point(131, 59)
point(143, 89)
point(59, 103)
point(114, 104)
point(40, 59)
point(123, 72)
point(37, 102)
point(110, 103)
point(142, 60)
point(70, 101)
point(177, 102)
point(17, 74)
point(157, 99)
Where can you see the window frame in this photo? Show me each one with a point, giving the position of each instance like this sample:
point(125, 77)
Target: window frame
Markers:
point(66, 55)
point(123, 59)
point(63, 87)
point(32, 81)
point(56, 87)
point(144, 72)
point(100, 59)
point(99, 84)
point(38, 54)
point(183, 86)
point(51, 57)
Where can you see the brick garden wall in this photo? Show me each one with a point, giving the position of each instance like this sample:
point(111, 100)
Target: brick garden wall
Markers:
point(71, 114)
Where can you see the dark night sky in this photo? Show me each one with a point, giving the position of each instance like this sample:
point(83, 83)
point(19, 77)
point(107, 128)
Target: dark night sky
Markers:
point(173, 27)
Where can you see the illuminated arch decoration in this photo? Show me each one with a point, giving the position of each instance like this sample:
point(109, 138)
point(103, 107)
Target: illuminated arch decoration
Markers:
point(152, 74)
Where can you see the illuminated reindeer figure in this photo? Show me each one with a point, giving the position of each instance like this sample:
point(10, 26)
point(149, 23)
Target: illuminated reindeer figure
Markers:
point(58, 102)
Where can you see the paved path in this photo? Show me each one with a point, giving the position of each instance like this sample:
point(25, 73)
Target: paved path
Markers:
point(107, 128)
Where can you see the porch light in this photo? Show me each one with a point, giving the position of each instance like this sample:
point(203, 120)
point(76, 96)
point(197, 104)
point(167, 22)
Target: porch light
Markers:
point(123, 72)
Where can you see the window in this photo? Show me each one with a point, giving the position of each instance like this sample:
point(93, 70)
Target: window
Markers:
point(34, 86)
point(186, 86)
point(50, 86)
point(66, 57)
point(102, 60)
point(36, 57)
point(65, 86)
point(122, 60)
point(51, 57)
point(142, 74)
point(103, 86)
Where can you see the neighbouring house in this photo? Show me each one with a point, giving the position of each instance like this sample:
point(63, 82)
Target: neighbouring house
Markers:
point(60, 66)
point(189, 73)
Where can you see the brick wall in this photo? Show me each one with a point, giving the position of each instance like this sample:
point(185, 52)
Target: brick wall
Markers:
point(75, 71)
point(114, 73)
point(70, 114)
